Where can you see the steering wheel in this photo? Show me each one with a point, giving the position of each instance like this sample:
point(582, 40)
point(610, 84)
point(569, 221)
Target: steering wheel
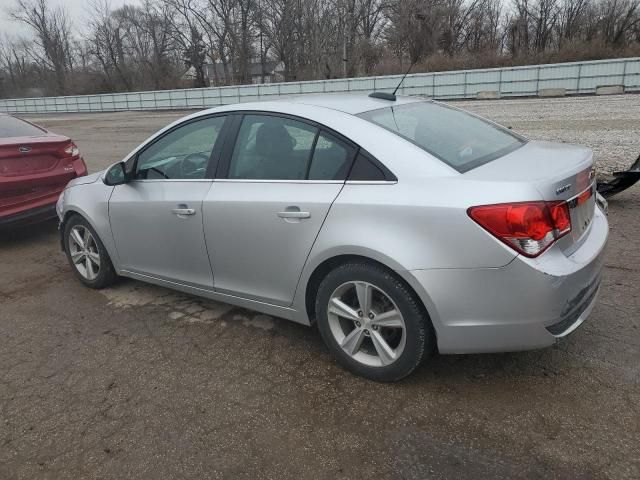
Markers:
point(194, 165)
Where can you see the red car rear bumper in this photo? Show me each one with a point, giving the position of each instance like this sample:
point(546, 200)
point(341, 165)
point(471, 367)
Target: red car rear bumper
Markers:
point(40, 204)
point(27, 217)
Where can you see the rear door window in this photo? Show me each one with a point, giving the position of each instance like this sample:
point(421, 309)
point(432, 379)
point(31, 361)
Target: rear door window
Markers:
point(331, 159)
point(272, 148)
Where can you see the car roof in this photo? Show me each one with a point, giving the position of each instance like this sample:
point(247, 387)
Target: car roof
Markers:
point(352, 103)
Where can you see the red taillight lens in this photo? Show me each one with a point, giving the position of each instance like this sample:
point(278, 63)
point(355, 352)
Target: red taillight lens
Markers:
point(561, 217)
point(527, 227)
point(70, 150)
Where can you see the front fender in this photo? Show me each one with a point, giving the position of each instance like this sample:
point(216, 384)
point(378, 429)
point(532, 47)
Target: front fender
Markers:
point(91, 201)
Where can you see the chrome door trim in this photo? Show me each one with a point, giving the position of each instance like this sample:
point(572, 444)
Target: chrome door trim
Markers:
point(154, 180)
point(371, 182)
point(249, 180)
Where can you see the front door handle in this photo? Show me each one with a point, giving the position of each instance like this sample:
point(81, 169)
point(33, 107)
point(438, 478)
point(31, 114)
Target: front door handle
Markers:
point(293, 214)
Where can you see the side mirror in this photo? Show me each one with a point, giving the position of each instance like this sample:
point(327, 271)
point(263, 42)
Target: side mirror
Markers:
point(116, 175)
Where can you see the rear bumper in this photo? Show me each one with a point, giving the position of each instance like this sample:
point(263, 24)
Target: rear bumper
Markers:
point(30, 216)
point(527, 304)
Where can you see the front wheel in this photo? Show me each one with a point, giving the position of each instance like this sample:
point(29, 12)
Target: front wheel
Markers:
point(86, 254)
point(372, 322)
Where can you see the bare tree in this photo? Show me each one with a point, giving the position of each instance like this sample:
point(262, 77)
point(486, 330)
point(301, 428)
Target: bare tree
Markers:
point(52, 37)
point(106, 44)
point(147, 30)
point(571, 20)
point(278, 22)
point(186, 32)
point(17, 72)
point(152, 45)
point(618, 19)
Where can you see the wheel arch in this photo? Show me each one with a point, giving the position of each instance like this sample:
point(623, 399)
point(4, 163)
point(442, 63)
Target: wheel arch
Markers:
point(332, 262)
point(65, 218)
point(104, 237)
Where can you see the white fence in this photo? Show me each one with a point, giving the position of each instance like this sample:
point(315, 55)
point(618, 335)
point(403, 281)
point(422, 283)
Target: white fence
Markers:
point(575, 78)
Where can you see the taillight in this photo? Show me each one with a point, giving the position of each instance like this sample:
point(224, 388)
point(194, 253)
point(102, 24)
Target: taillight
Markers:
point(71, 150)
point(527, 227)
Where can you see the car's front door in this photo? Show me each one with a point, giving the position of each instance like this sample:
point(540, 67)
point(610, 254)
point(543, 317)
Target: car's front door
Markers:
point(262, 219)
point(156, 218)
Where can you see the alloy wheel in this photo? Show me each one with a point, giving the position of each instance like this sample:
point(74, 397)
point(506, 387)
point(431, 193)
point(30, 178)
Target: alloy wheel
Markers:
point(366, 324)
point(83, 250)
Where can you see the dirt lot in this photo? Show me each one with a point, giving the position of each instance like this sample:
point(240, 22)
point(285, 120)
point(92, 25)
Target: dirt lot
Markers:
point(139, 382)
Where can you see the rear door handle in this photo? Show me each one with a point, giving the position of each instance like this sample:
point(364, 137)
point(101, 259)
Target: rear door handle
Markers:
point(183, 212)
point(294, 214)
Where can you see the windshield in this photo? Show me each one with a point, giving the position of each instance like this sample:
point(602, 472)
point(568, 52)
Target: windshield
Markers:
point(459, 139)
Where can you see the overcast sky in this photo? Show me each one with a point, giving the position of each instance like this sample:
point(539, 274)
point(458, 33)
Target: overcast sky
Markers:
point(77, 10)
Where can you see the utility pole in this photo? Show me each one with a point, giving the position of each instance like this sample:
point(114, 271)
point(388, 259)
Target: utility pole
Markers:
point(262, 54)
point(344, 56)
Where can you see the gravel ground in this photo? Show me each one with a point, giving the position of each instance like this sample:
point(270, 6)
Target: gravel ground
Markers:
point(609, 125)
point(137, 381)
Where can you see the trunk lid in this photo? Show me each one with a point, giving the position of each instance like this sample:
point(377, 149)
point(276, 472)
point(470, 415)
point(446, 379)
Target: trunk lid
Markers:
point(558, 172)
point(28, 155)
point(33, 168)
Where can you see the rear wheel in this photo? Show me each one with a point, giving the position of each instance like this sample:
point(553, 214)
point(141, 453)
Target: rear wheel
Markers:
point(372, 322)
point(86, 254)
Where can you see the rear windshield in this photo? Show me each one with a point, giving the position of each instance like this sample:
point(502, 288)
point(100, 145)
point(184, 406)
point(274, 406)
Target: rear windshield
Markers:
point(459, 139)
point(14, 127)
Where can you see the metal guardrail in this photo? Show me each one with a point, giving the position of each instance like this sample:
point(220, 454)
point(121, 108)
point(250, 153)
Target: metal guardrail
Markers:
point(529, 80)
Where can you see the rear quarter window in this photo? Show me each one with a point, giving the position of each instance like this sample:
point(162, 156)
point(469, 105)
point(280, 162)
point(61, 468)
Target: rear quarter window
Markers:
point(14, 127)
point(461, 140)
point(366, 170)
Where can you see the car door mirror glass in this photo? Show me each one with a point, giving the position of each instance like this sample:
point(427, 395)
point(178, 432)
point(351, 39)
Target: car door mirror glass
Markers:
point(116, 175)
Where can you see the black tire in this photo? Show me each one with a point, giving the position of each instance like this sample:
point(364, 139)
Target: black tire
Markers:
point(106, 273)
point(420, 337)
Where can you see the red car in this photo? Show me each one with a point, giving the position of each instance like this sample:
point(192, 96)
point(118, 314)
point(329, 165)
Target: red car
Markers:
point(35, 166)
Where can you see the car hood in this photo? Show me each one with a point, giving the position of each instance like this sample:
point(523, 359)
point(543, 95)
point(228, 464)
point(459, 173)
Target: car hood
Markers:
point(94, 177)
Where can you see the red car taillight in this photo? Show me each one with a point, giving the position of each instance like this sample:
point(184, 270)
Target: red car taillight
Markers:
point(527, 227)
point(70, 150)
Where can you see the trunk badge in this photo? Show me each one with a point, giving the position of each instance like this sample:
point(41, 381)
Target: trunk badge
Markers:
point(24, 149)
point(563, 189)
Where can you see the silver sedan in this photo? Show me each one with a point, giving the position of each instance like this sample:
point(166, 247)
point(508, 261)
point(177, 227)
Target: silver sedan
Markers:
point(400, 226)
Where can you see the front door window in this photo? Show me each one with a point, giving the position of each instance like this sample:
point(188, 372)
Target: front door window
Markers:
point(183, 153)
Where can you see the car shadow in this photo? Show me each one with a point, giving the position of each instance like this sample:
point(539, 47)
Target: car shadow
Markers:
point(186, 309)
point(498, 368)
point(28, 233)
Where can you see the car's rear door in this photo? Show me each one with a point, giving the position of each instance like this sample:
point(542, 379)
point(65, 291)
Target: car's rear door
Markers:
point(156, 218)
point(279, 179)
